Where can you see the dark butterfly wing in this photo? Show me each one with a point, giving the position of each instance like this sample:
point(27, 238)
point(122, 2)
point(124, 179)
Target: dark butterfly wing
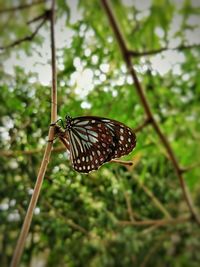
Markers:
point(95, 140)
point(123, 137)
point(90, 144)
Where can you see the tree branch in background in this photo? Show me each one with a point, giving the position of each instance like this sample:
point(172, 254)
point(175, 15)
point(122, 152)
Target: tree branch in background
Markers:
point(122, 162)
point(147, 108)
point(190, 167)
point(129, 206)
point(28, 38)
point(10, 153)
point(161, 222)
point(21, 7)
point(45, 14)
point(69, 221)
point(160, 50)
point(153, 198)
point(29, 215)
point(146, 122)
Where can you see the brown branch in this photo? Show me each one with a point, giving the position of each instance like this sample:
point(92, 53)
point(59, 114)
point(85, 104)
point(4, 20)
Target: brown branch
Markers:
point(45, 14)
point(21, 7)
point(190, 167)
point(162, 49)
point(157, 245)
point(10, 153)
point(160, 222)
point(27, 38)
point(70, 222)
point(29, 215)
point(146, 106)
point(154, 199)
point(122, 162)
point(129, 206)
point(146, 122)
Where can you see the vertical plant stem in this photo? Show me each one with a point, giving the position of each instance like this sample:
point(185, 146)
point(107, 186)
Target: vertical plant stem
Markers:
point(29, 215)
point(53, 66)
point(150, 117)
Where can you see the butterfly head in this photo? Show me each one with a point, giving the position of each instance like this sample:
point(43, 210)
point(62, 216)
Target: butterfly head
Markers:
point(68, 121)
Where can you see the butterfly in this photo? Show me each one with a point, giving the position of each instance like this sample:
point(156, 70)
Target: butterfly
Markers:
point(93, 141)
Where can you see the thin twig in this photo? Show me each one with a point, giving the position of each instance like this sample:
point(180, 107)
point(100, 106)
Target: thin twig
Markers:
point(53, 66)
point(160, 222)
point(146, 122)
point(70, 222)
point(21, 7)
point(146, 106)
point(45, 14)
point(154, 199)
point(10, 153)
point(129, 206)
point(28, 38)
point(162, 49)
point(122, 162)
point(28, 218)
point(158, 244)
point(190, 167)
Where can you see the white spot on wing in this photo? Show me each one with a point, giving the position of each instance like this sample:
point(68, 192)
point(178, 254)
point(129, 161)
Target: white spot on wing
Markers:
point(93, 133)
point(82, 123)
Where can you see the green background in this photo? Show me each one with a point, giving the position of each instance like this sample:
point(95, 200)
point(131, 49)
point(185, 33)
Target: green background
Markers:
point(79, 219)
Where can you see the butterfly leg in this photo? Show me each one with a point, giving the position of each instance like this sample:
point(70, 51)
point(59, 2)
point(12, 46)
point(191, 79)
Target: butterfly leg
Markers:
point(54, 123)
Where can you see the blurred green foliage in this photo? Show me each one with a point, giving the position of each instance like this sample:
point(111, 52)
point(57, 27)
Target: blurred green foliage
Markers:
point(77, 219)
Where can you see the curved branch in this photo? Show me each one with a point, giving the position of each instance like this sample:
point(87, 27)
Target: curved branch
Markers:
point(147, 108)
point(26, 38)
point(162, 49)
point(21, 7)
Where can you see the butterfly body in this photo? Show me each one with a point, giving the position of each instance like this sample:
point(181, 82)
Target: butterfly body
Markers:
point(95, 140)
